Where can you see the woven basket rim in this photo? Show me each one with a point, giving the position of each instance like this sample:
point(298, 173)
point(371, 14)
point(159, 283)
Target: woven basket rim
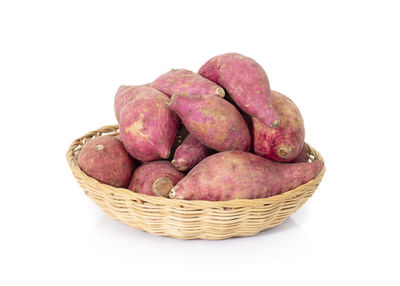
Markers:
point(112, 130)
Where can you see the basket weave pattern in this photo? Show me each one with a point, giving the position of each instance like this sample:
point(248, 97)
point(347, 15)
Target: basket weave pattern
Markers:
point(189, 219)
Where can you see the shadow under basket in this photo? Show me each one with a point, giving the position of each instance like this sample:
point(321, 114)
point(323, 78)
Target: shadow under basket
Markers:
point(189, 219)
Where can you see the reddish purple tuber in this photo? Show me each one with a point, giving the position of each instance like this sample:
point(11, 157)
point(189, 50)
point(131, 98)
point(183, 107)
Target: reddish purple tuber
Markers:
point(246, 82)
point(148, 127)
point(284, 143)
point(185, 82)
point(155, 178)
point(242, 175)
point(303, 155)
point(126, 93)
point(105, 159)
point(189, 153)
point(213, 121)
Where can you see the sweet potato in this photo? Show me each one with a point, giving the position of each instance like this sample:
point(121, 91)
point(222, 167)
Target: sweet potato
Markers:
point(189, 153)
point(246, 82)
point(186, 82)
point(303, 155)
point(148, 127)
point(213, 121)
point(155, 178)
point(126, 93)
point(242, 175)
point(284, 143)
point(181, 134)
point(105, 159)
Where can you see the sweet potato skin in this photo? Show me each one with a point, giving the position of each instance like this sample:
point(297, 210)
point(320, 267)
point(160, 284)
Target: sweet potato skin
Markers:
point(213, 121)
point(126, 93)
point(284, 143)
point(246, 82)
point(144, 177)
point(185, 82)
point(181, 135)
point(303, 155)
point(189, 153)
point(242, 175)
point(148, 127)
point(105, 159)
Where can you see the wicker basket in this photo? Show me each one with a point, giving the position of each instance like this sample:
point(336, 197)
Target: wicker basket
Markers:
point(189, 219)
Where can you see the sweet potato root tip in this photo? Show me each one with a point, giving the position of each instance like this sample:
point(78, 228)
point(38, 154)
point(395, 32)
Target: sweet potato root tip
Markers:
point(164, 152)
point(220, 91)
point(172, 193)
point(179, 166)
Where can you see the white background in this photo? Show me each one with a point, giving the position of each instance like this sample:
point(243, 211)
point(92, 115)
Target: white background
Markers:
point(61, 63)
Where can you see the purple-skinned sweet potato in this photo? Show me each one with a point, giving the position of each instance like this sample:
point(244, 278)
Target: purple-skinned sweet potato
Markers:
point(242, 175)
point(303, 156)
point(148, 127)
point(284, 143)
point(185, 82)
point(213, 121)
point(126, 93)
point(105, 159)
point(155, 178)
point(189, 153)
point(246, 82)
point(181, 134)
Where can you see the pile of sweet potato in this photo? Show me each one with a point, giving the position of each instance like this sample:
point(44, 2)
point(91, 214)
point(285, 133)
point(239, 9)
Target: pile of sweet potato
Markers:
point(219, 134)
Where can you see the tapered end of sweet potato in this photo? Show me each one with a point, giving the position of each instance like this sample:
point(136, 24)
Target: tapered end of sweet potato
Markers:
point(179, 165)
point(172, 193)
point(164, 152)
point(220, 92)
point(162, 187)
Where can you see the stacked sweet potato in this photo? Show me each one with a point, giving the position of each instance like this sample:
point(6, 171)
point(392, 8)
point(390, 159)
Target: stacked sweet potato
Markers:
point(228, 136)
